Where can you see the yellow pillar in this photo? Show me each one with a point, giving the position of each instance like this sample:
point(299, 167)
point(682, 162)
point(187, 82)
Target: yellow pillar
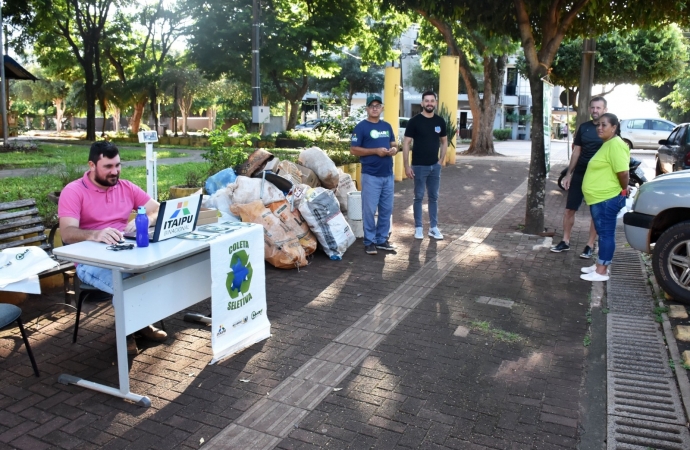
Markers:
point(448, 96)
point(391, 106)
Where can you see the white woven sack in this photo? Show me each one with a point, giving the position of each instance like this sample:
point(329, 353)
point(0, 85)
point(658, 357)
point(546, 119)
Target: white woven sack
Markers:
point(317, 160)
point(246, 190)
point(321, 210)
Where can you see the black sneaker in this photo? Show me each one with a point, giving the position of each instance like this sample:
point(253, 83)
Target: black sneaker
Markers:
point(370, 249)
point(587, 252)
point(385, 246)
point(561, 247)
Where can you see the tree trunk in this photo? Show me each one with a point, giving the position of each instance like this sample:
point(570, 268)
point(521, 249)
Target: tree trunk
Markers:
point(136, 117)
point(536, 184)
point(483, 112)
point(292, 118)
point(184, 112)
point(59, 112)
point(116, 119)
point(211, 114)
point(154, 113)
point(90, 93)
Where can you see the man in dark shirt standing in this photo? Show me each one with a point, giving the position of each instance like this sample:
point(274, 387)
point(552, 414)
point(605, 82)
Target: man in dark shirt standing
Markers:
point(585, 145)
point(428, 130)
point(374, 142)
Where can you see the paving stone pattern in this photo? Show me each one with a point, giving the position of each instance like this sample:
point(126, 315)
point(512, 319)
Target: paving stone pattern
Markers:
point(419, 386)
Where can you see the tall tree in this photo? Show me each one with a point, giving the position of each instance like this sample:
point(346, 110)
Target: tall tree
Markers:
point(297, 40)
point(80, 25)
point(189, 84)
point(636, 57)
point(476, 49)
point(353, 77)
point(661, 94)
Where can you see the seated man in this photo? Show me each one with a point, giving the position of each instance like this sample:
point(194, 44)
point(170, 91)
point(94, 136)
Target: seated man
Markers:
point(96, 207)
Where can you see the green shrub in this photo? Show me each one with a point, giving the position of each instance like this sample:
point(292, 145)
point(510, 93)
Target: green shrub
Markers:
point(502, 134)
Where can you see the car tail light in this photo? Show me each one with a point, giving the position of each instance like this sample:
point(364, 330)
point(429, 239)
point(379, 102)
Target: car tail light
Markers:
point(687, 159)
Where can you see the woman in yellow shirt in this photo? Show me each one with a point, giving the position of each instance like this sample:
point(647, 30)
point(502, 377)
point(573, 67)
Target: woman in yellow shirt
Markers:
point(605, 189)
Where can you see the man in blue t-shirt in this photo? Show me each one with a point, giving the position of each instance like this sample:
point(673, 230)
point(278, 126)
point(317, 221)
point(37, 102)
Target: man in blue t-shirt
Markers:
point(374, 142)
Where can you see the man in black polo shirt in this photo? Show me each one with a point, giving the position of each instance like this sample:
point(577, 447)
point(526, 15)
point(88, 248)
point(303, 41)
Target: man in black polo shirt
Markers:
point(428, 130)
point(585, 145)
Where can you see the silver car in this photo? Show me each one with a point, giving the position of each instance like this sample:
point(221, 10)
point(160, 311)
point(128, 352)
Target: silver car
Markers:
point(660, 224)
point(645, 133)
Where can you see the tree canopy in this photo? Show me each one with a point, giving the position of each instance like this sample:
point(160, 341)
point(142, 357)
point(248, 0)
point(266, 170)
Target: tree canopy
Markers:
point(297, 40)
point(636, 57)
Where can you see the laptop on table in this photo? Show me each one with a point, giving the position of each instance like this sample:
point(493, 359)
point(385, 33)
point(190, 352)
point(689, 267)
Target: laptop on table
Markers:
point(175, 217)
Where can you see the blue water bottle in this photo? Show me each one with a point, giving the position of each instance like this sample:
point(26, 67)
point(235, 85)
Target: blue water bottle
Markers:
point(142, 224)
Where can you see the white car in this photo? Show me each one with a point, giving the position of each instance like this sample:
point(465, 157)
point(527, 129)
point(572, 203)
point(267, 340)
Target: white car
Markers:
point(645, 133)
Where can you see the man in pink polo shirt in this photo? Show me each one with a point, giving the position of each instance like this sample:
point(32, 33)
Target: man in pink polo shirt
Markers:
point(96, 207)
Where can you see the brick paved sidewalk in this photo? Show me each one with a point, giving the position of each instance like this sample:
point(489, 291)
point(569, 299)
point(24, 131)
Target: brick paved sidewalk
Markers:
point(421, 387)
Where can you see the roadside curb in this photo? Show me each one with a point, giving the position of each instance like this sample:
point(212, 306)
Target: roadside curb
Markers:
point(680, 372)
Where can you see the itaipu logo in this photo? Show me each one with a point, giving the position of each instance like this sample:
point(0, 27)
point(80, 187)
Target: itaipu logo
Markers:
point(239, 278)
point(179, 218)
point(182, 207)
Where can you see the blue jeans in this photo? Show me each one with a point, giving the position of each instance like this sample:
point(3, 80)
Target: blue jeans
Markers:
point(604, 217)
point(428, 177)
point(98, 277)
point(377, 193)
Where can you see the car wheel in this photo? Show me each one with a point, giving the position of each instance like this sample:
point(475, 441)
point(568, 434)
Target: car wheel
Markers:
point(630, 146)
point(671, 262)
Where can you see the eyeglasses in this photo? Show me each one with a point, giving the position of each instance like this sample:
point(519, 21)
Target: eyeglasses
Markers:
point(379, 106)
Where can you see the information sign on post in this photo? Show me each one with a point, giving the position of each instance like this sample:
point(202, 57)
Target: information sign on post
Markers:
point(546, 102)
point(239, 317)
point(149, 137)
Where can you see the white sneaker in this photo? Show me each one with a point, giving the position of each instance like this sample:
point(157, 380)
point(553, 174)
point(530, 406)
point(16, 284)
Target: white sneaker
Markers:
point(593, 276)
point(593, 268)
point(419, 233)
point(589, 269)
point(435, 233)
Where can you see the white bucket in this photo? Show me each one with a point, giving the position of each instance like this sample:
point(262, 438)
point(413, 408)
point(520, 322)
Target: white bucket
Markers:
point(354, 205)
point(357, 227)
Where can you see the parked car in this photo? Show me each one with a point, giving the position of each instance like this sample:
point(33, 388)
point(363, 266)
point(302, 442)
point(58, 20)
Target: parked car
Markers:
point(674, 153)
point(659, 223)
point(645, 133)
point(402, 124)
point(309, 125)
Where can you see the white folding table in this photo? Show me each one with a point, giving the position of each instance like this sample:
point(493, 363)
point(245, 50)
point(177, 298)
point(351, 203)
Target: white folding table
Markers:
point(170, 276)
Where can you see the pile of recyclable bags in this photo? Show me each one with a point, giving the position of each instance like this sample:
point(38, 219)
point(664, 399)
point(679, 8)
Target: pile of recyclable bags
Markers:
point(311, 212)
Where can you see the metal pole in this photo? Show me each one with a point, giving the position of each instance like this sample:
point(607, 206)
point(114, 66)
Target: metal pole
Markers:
point(3, 94)
point(256, 79)
point(318, 105)
point(589, 47)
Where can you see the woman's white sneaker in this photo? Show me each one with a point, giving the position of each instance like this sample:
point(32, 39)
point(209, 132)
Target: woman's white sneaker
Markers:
point(593, 276)
point(589, 269)
point(593, 268)
point(419, 233)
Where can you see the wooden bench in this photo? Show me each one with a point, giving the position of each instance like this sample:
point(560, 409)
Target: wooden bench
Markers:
point(21, 225)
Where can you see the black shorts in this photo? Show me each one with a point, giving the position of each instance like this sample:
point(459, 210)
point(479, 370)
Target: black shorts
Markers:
point(575, 195)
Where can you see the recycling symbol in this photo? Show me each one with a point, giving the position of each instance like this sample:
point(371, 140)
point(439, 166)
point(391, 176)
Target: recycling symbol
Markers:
point(240, 276)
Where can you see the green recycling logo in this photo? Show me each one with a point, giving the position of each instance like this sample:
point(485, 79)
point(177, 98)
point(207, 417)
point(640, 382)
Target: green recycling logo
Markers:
point(240, 276)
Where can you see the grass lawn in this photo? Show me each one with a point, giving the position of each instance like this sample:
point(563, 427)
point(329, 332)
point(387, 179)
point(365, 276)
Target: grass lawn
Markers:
point(38, 186)
point(70, 155)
